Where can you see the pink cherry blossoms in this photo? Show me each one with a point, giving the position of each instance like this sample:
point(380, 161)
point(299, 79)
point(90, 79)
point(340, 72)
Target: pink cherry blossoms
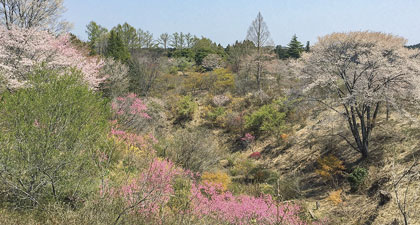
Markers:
point(21, 50)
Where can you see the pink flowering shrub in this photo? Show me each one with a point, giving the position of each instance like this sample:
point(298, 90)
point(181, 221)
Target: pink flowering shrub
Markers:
point(130, 112)
point(151, 190)
point(210, 201)
point(248, 138)
point(21, 50)
point(255, 155)
point(152, 194)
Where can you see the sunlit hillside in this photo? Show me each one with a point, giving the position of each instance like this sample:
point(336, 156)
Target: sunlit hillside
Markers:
point(129, 127)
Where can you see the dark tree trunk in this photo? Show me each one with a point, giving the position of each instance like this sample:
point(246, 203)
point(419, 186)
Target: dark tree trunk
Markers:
point(361, 122)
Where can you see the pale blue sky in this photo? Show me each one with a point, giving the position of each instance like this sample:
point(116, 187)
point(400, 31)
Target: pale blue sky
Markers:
point(225, 21)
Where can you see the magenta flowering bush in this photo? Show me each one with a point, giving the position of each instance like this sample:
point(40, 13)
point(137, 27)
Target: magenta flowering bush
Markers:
point(131, 112)
point(248, 138)
point(255, 155)
point(148, 194)
point(147, 197)
point(209, 200)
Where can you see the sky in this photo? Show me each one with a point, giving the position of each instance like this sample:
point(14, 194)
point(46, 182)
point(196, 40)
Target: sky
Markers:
point(225, 21)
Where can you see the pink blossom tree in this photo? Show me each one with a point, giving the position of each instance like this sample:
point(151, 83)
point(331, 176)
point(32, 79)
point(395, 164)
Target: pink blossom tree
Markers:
point(150, 191)
point(21, 50)
point(131, 113)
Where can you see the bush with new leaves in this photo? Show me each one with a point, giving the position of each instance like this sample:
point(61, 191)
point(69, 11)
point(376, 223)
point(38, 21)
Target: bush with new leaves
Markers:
point(185, 108)
point(267, 119)
point(357, 177)
point(214, 115)
point(49, 135)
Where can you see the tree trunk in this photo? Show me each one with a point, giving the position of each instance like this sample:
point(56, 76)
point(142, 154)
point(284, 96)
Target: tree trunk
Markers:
point(259, 75)
point(361, 123)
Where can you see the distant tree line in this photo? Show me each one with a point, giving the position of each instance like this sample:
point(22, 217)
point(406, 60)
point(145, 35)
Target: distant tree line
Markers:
point(123, 40)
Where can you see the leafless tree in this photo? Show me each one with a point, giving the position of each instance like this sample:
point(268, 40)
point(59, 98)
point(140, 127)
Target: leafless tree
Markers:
point(145, 39)
point(174, 40)
point(409, 175)
point(163, 40)
point(33, 13)
point(258, 33)
point(145, 69)
point(190, 40)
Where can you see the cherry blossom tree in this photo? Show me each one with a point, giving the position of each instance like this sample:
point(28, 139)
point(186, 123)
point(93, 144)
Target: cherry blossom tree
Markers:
point(21, 50)
point(357, 73)
point(44, 14)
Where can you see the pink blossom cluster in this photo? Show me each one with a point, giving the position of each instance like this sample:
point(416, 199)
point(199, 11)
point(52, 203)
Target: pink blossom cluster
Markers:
point(130, 111)
point(210, 201)
point(255, 155)
point(151, 191)
point(21, 50)
point(130, 104)
point(248, 138)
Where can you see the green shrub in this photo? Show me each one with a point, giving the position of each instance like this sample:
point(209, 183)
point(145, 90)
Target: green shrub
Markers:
point(267, 119)
point(49, 135)
point(242, 166)
point(223, 80)
point(357, 178)
point(3, 83)
point(185, 108)
point(259, 174)
point(214, 115)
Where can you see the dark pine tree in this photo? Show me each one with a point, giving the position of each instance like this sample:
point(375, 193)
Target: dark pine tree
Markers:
point(307, 47)
point(281, 52)
point(116, 48)
point(295, 48)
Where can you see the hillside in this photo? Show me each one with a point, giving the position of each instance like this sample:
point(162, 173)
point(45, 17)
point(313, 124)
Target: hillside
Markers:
point(127, 128)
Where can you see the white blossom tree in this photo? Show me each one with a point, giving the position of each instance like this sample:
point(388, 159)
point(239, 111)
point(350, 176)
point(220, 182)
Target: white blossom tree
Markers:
point(44, 14)
point(356, 74)
point(22, 50)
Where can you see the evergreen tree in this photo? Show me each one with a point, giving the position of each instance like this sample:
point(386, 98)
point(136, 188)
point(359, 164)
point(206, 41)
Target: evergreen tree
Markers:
point(281, 52)
point(128, 35)
point(295, 48)
point(307, 47)
point(116, 48)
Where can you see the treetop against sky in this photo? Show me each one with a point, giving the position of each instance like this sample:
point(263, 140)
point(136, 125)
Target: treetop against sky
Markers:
point(227, 21)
